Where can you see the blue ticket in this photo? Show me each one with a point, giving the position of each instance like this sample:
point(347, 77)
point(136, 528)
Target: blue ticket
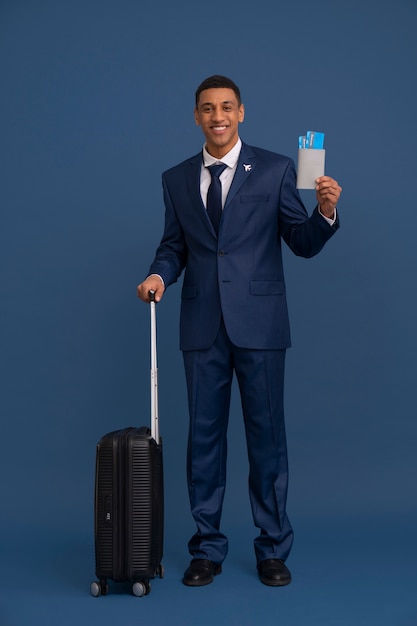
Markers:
point(315, 140)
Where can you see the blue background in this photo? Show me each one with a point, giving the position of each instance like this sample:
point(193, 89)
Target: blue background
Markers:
point(96, 101)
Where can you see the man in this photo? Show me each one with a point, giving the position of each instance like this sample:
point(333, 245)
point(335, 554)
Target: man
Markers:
point(234, 317)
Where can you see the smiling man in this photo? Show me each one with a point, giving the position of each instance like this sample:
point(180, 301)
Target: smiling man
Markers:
point(227, 210)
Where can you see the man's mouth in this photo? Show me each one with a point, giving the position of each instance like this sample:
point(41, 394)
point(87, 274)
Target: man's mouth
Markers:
point(218, 128)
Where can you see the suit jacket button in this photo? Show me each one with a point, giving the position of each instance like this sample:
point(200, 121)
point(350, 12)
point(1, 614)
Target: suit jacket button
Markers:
point(221, 253)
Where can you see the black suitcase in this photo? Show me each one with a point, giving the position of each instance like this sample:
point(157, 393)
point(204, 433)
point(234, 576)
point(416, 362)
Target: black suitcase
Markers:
point(128, 511)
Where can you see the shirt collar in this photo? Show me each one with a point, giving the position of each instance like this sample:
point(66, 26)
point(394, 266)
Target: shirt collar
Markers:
point(230, 159)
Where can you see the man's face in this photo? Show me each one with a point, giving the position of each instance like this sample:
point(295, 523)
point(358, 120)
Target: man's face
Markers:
point(219, 113)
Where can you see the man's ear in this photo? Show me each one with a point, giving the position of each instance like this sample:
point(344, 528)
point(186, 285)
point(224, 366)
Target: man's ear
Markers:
point(241, 113)
point(196, 117)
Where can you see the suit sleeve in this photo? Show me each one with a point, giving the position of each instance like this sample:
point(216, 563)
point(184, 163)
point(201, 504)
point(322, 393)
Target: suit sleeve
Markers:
point(304, 235)
point(171, 254)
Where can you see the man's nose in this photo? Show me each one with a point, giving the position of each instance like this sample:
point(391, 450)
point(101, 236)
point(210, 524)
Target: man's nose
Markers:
point(218, 113)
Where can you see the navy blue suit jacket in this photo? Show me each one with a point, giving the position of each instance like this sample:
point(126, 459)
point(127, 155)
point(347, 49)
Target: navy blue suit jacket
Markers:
point(237, 274)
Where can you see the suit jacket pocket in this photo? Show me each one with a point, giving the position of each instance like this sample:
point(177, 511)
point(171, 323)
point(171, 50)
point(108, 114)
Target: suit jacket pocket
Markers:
point(267, 287)
point(255, 198)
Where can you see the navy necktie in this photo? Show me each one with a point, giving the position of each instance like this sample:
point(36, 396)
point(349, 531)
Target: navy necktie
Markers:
point(214, 195)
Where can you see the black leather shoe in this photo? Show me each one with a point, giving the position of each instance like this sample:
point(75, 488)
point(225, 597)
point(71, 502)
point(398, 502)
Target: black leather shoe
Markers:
point(201, 572)
point(274, 572)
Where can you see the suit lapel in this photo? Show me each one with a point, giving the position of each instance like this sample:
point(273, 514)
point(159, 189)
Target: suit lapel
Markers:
point(245, 166)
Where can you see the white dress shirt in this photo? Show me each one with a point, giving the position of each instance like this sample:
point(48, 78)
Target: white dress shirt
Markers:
point(226, 177)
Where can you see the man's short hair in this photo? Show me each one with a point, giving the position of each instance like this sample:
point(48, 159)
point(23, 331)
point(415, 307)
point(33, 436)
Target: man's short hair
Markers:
point(217, 82)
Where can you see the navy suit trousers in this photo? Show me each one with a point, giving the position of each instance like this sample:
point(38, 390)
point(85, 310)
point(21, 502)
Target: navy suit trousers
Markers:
point(260, 376)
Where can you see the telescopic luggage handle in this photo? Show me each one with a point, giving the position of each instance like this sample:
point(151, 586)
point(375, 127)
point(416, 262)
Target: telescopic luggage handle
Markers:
point(154, 373)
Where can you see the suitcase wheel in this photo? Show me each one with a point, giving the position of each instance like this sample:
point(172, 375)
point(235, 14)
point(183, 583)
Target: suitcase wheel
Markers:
point(99, 588)
point(141, 588)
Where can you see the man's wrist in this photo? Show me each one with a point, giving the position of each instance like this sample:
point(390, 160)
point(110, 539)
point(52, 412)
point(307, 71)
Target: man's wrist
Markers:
point(160, 278)
point(329, 218)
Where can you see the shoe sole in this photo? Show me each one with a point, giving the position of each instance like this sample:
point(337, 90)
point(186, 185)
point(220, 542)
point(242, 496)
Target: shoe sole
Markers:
point(273, 583)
